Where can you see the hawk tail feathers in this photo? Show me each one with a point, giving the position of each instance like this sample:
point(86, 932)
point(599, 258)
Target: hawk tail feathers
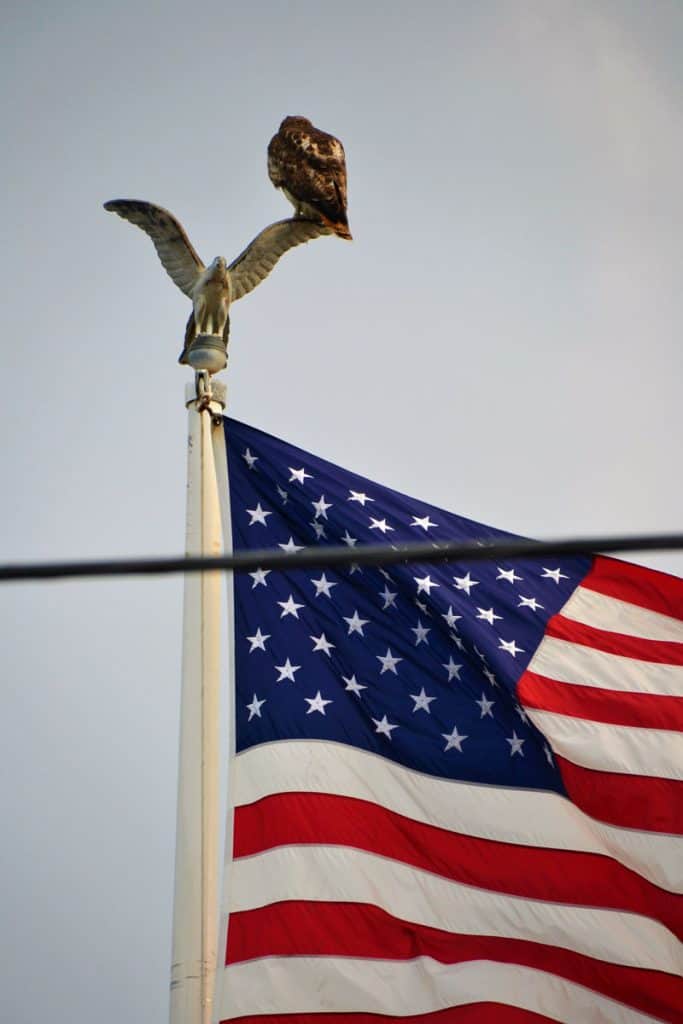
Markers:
point(340, 228)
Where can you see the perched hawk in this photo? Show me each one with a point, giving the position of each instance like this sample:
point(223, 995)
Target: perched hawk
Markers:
point(309, 166)
point(213, 288)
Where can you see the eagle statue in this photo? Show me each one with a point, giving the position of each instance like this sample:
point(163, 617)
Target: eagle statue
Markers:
point(213, 288)
point(310, 168)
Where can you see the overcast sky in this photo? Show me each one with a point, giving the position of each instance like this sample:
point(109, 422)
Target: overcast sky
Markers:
point(502, 338)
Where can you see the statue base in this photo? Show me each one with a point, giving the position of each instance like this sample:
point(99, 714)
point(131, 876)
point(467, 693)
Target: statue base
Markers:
point(208, 352)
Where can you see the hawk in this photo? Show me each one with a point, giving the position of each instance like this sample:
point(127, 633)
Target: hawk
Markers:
point(309, 166)
point(213, 288)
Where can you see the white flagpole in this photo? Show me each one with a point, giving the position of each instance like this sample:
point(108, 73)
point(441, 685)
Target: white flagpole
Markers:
point(195, 912)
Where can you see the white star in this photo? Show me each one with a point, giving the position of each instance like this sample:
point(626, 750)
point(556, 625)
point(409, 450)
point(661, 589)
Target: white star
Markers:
point(258, 515)
point(457, 640)
point(485, 706)
point(553, 574)
point(359, 497)
point(353, 568)
point(548, 754)
point(250, 459)
point(383, 572)
point(348, 539)
point(316, 703)
point(424, 523)
point(289, 607)
point(380, 524)
point(286, 671)
point(515, 744)
point(450, 618)
point(422, 701)
point(258, 640)
point(465, 583)
point(355, 623)
point(425, 584)
point(480, 654)
point(389, 597)
point(529, 602)
point(290, 547)
point(299, 475)
point(353, 686)
point(321, 643)
point(259, 577)
point(508, 574)
point(488, 614)
point(323, 586)
point(511, 647)
point(384, 726)
point(490, 676)
point(420, 632)
point(453, 739)
point(283, 494)
point(389, 662)
point(255, 707)
point(522, 713)
point(319, 530)
point(453, 670)
point(321, 506)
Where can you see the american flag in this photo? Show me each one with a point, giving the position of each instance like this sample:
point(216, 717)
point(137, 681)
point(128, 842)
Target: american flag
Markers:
point(455, 789)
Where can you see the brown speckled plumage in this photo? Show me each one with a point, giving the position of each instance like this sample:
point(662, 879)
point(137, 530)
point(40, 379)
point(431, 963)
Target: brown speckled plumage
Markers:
point(310, 168)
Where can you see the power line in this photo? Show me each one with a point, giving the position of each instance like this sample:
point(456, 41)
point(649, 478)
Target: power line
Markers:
point(324, 557)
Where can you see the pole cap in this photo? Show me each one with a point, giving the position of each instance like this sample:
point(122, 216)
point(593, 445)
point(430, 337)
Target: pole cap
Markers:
point(208, 352)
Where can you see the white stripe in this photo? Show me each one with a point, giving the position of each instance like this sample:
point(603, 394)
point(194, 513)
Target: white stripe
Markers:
point(346, 875)
point(502, 814)
point(629, 749)
point(603, 612)
point(584, 666)
point(403, 988)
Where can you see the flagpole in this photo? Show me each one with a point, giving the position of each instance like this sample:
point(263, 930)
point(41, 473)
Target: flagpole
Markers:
point(195, 912)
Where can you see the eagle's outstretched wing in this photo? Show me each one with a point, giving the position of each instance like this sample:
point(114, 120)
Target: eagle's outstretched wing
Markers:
point(175, 249)
point(261, 255)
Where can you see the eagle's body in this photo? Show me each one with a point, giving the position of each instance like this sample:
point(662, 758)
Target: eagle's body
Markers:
point(210, 305)
point(211, 298)
point(213, 288)
point(310, 168)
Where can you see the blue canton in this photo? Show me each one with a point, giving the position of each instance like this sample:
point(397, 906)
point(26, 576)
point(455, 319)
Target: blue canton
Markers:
point(418, 663)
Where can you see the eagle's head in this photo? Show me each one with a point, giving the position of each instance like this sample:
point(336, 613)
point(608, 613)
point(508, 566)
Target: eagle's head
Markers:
point(218, 268)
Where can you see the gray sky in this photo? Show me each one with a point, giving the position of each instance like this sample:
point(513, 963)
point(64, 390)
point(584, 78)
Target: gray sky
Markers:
point(502, 338)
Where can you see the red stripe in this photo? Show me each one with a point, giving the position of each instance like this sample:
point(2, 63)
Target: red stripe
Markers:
point(647, 711)
point(629, 801)
point(301, 928)
point(473, 1013)
point(556, 875)
point(664, 652)
point(656, 591)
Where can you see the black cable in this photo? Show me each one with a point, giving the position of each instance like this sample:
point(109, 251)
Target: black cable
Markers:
point(324, 557)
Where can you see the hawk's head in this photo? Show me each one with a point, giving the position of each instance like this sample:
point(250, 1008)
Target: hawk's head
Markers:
point(296, 121)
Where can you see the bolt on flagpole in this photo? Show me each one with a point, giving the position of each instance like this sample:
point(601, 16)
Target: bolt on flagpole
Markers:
point(195, 911)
